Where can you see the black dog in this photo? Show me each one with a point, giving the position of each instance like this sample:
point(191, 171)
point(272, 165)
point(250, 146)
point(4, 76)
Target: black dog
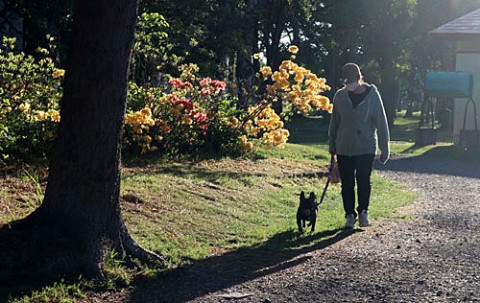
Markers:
point(307, 211)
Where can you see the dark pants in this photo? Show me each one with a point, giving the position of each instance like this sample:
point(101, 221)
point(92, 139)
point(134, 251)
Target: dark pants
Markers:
point(355, 168)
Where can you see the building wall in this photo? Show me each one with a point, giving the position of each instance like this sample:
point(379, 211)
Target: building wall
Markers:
point(467, 61)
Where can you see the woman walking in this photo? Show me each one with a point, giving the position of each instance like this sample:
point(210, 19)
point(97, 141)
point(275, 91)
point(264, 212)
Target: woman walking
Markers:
point(358, 123)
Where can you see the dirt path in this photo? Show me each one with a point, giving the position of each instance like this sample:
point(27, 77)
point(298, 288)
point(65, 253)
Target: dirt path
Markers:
point(435, 257)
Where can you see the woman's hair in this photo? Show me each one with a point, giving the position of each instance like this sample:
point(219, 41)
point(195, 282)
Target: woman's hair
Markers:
point(351, 73)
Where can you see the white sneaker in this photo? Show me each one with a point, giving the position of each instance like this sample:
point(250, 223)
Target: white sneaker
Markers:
point(350, 221)
point(363, 220)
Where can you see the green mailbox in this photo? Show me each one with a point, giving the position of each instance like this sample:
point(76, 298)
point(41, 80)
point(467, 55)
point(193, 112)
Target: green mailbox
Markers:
point(457, 84)
point(449, 84)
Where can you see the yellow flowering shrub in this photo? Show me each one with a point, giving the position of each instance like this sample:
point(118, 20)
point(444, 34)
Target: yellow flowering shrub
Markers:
point(186, 116)
point(247, 145)
point(140, 122)
point(58, 73)
point(293, 49)
point(298, 88)
point(30, 91)
point(262, 121)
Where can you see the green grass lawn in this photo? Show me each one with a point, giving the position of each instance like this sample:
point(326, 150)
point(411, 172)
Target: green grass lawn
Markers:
point(207, 208)
point(403, 135)
point(190, 211)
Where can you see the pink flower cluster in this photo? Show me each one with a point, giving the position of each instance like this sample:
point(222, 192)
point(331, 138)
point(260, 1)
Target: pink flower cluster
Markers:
point(201, 118)
point(210, 87)
point(179, 84)
point(189, 108)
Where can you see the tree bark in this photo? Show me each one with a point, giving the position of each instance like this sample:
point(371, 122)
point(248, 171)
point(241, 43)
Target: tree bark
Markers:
point(245, 66)
point(389, 88)
point(82, 198)
point(271, 39)
point(388, 71)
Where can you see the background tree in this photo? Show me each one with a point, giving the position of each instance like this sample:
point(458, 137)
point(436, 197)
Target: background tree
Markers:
point(41, 18)
point(389, 39)
point(385, 35)
point(246, 66)
point(80, 214)
point(150, 55)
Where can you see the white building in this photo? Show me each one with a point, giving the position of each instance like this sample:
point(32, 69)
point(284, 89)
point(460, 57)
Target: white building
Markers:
point(464, 32)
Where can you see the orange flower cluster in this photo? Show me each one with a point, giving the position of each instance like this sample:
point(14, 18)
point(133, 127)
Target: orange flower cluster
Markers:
point(268, 124)
point(51, 114)
point(247, 145)
point(58, 73)
point(300, 87)
point(140, 122)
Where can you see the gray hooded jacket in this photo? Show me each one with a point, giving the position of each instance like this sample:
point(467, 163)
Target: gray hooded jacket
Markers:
point(353, 132)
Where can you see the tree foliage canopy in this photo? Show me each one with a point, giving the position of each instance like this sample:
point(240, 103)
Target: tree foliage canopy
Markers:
point(350, 30)
point(388, 39)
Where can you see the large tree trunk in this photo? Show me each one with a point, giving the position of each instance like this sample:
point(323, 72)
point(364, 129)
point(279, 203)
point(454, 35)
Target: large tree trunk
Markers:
point(389, 88)
point(272, 37)
point(388, 72)
point(82, 196)
point(245, 66)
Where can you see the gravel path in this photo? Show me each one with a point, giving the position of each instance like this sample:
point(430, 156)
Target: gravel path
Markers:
point(435, 257)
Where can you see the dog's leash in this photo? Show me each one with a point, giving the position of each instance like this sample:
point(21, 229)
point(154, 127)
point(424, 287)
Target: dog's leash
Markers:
point(329, 177)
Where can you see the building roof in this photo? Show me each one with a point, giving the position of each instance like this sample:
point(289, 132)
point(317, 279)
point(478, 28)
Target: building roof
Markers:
point(465, 27)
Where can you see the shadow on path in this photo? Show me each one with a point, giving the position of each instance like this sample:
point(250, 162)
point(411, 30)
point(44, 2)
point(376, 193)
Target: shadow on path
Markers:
point(213, 274)
point(431, 165)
